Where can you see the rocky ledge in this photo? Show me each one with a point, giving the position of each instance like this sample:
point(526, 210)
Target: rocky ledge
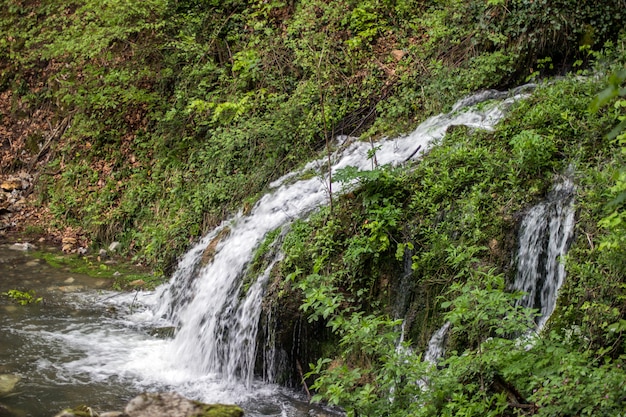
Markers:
point(166, 404)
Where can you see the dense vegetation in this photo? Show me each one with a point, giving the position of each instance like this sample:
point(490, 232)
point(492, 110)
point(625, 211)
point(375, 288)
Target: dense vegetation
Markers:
point(455, 217)
point(148, 122)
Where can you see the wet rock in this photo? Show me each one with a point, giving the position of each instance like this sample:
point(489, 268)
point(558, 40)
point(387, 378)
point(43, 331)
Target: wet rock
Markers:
point(5, 412)
point(80, 411)
point(7, 383)
point(159, 405)
point(163, 332)
point(70, 288)
point(209, 252)
point(22, 246)
point(175, 405)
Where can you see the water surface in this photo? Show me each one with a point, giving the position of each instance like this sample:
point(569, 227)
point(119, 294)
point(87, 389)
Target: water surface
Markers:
point(85, 344)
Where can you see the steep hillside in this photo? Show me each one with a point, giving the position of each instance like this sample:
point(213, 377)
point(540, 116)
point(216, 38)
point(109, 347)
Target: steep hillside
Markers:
point(148, 122)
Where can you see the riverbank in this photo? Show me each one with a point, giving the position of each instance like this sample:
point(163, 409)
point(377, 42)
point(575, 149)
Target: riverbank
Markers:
point(121, 273)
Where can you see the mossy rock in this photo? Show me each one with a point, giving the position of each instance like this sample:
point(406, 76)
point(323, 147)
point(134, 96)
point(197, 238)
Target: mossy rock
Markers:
point(220, 410)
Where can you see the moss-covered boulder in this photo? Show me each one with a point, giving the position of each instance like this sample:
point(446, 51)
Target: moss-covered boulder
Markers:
point(166, 404)
point(174, 405)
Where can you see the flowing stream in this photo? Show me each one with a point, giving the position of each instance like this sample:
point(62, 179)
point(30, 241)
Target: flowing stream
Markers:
point(102, 348)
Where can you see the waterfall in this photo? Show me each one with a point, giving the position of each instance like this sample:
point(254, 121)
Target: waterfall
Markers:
point(216, 319)
point(436, 344)
point(545, 235)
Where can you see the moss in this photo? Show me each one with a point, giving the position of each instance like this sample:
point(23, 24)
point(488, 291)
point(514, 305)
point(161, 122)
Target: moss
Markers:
point(220, 410)
point(121, 272)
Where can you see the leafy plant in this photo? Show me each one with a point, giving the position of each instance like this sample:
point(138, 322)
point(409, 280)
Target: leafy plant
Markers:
point(23, 297)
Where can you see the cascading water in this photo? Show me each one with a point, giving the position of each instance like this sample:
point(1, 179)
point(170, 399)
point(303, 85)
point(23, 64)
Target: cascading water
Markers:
point(213, 302)
point(544, 238)
point(216, 325)
point(436, 344)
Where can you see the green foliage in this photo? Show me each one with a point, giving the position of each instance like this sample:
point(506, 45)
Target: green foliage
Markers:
point(452, 216)
point(22, 297)
point(185, 109)
point(180, 111)
point(532, 151)
point(614, 223)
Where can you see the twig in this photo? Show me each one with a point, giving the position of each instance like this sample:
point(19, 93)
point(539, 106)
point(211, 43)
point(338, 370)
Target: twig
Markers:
point(306, 388)
point(413, 154)
point(57, 132)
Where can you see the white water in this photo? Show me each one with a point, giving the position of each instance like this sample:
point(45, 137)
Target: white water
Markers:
point(205, 306)
point(212, 355)
point(436, 344)
point(544, 238)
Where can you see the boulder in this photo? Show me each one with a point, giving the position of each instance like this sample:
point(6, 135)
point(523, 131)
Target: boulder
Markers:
point(167, 404)
point(174, 405)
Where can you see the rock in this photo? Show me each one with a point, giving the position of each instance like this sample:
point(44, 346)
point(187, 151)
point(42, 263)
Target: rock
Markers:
point(175, 405)
point(11, 184)
point(70, 288)
point(137, 283)
point(7, 383)
point(167, 404)
point(163, 332)
point(22, 246)
point(209, 252)
point(102, 253)
point(80, 411)
point(5, 412)
point(398, 54)
point(113, 246)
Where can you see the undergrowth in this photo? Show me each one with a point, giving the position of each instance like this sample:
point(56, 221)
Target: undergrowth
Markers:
point(454, 217)
point(169, 115)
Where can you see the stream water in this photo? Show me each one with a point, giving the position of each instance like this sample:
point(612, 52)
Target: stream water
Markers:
point(84, 344)
point(87, 345)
